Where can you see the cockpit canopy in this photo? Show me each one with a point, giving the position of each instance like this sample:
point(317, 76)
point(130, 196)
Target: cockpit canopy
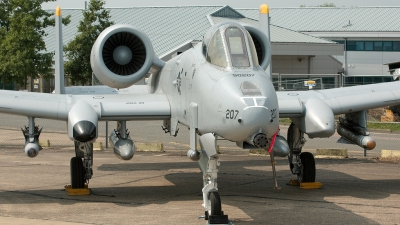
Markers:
point(229, 45)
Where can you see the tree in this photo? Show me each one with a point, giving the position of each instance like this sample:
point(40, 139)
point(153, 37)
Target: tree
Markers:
point(323, 5)
point(23, 52)
point(95, 20)
point(5, 13)
point(327, 5)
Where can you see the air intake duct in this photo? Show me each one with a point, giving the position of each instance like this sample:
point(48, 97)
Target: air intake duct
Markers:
point(122, 55)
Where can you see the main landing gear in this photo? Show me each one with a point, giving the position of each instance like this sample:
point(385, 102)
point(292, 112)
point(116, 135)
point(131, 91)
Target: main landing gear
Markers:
point(81, 165)
point(301, 163)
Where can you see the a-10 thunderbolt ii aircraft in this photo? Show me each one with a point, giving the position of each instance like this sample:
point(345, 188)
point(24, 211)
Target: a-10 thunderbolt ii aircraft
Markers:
point(219, 88)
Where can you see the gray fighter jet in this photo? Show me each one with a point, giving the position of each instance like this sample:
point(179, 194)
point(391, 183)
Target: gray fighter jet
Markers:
point(219, 88)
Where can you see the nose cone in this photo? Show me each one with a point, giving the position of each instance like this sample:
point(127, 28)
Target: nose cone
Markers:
point(257, 115)
point(260, 118)
point(84, 131)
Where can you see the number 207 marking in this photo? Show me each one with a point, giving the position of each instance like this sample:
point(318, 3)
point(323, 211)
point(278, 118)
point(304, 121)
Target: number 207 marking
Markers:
point(231, 114)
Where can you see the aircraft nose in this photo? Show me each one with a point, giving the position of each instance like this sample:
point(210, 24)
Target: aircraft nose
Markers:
point(254, 116)
point(258, 110)
point(257, 116)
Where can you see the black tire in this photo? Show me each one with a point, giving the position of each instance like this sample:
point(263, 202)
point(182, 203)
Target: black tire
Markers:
point(77, 173)
point(215, 204)
point(307, 173)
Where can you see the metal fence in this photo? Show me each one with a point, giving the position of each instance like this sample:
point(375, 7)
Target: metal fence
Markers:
point(296, 82)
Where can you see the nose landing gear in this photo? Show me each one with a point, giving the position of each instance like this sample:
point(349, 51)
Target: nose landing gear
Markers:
point(209, 166)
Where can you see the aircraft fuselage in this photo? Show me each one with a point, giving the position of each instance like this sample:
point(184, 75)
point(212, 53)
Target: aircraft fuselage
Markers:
point(235, 104)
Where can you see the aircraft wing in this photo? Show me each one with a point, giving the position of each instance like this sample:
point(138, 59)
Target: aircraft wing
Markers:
point(107, 106)
point(293, 104)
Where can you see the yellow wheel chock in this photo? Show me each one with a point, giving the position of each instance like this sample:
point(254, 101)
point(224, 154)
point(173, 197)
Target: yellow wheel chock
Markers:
point(306, 185)
point(77, 191)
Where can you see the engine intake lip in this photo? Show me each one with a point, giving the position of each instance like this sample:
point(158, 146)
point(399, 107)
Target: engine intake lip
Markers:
point(114, 74)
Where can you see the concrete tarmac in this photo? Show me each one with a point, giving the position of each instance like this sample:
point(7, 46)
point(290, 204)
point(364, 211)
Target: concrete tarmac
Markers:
point(165, 188)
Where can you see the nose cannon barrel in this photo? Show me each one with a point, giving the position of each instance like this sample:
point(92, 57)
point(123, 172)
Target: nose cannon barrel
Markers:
point(260, 140)
point(280, 148)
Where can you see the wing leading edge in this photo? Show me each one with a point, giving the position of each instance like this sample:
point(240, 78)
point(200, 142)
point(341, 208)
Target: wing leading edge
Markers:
point(340, 100)
point(107, 107)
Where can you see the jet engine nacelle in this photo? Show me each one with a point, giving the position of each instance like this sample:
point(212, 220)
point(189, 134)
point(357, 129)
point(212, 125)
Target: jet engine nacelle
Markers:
point(261, 44)
point(122, 55)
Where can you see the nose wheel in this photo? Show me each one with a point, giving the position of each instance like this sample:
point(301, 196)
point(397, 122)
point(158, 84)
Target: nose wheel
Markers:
point(216, 215)
point(215, 200)
point(81, 165)
point(209, 163)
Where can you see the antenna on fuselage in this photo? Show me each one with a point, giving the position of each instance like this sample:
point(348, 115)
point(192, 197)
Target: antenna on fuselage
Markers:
point(264, 23)
point(59, 87)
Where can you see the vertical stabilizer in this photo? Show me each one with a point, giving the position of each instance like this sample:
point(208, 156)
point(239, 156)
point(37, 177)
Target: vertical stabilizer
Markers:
point(59, 86)
point(264, 22)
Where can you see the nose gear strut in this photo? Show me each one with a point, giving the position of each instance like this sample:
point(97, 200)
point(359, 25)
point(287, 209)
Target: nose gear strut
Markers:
point(209, 166)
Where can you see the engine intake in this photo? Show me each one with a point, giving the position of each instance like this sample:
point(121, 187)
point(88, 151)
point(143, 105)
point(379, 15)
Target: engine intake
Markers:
point(261, 44)
point(122, 55)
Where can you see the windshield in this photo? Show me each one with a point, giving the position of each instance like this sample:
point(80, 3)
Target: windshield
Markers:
point(227, 45)
point(216, 51)
point(237, 47)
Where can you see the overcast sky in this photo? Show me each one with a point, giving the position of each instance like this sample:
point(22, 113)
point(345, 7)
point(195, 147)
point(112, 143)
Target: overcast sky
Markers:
point(233, 3)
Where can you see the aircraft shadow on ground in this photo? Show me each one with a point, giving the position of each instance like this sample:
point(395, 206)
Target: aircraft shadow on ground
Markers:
point(237, 184)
